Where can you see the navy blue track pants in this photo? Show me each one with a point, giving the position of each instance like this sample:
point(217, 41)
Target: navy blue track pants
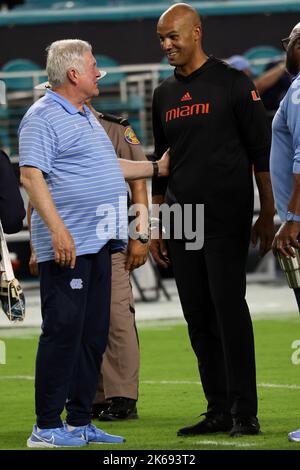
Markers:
point(75, 312)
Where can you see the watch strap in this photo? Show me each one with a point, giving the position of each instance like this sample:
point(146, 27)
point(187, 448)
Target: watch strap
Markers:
point(155, 169)
point(291, 217)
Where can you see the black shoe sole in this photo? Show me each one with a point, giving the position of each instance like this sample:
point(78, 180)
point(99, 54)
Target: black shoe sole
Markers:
point(245, 433)
point(201, 433)
point(205, 433)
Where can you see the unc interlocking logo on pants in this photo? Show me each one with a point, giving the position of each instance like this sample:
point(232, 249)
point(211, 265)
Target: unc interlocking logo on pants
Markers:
point(76, 284)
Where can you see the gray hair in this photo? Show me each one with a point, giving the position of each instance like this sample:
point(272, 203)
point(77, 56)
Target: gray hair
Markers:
point(63, 55)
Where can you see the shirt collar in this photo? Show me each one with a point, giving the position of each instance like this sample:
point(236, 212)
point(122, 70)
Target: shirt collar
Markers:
point(296, 76)
point(69, 107)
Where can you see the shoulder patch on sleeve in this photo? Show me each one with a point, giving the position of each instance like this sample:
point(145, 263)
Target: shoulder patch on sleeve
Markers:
point(130, 136)
point(255, 95)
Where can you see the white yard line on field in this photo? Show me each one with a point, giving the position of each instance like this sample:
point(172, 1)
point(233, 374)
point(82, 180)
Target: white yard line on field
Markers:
point(191, 382)
point(226, 443)
point(163, 382)
point(16, 377)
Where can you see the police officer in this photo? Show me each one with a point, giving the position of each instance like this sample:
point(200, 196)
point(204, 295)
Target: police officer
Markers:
point(118, 381)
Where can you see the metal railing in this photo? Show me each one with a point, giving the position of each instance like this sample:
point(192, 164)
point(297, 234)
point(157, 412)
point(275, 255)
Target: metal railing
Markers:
point(139, 81)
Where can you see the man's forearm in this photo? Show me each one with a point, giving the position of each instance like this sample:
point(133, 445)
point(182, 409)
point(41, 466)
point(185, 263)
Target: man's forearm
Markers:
point(264, 186)
point(269, 78)
point(145, 169)
point(136, 170)
point(40, 198)
point(139, 196)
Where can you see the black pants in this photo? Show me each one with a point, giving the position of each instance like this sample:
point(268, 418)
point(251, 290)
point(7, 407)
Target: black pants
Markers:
point(212, 283)
point(75, 311)
point(297, 295)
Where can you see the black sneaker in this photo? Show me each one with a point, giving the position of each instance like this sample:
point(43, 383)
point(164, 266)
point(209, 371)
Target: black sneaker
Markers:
point(120, 408)
point(245, 425)
point(97, 409)
point(212, 423)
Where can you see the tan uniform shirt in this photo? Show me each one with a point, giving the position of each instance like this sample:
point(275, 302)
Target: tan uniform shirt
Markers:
point(123, 137)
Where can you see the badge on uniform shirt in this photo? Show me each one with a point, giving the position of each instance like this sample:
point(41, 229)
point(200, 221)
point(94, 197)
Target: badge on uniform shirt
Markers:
point(130, 136)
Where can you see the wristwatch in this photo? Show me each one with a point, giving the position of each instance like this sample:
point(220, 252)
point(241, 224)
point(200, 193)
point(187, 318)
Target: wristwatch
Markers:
point(290, 217)
point(142, 237)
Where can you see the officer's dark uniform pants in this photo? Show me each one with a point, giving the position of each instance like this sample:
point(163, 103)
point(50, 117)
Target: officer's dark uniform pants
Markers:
point(121, 361)
point(212, 284)
point(75, 311)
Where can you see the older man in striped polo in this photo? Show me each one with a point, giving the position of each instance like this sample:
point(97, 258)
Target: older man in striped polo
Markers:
point(76, 186)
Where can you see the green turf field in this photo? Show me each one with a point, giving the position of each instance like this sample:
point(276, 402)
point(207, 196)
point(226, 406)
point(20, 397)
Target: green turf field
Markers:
point(170, 396)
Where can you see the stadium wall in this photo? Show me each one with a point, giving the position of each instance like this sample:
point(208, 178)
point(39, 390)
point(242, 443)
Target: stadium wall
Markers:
point(134, 41)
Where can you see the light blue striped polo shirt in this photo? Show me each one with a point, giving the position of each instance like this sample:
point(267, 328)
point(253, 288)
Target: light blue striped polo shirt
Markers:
point(285, 148)
point(82, 173)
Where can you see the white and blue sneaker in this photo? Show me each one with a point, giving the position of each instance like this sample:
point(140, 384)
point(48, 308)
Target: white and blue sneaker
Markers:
point(294, 436)
point(94, 435)
point(54, 437)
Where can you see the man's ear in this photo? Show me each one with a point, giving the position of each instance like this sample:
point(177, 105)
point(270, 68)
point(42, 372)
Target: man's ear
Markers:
point(197, 32)
point(73, 75)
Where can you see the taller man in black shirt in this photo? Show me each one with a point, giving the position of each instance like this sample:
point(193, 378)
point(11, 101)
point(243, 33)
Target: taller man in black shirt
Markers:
point(212, 118)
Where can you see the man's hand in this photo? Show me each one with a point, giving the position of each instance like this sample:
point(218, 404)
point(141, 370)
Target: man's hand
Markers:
point(137, 254)
point(264, 231)
point(64, 247)
point(163, 164)
point(285, 238)
point(160, 252)
point(33, 265)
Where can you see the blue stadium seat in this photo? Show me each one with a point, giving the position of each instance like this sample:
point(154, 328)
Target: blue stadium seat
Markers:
point(20, 97)
point(110, 96)
point(21, 65)
point(111, 78)
point(166, 73)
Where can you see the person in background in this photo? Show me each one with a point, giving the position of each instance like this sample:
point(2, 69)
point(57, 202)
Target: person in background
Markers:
point(272, 84)
point(285, 163)
point(12, 211)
